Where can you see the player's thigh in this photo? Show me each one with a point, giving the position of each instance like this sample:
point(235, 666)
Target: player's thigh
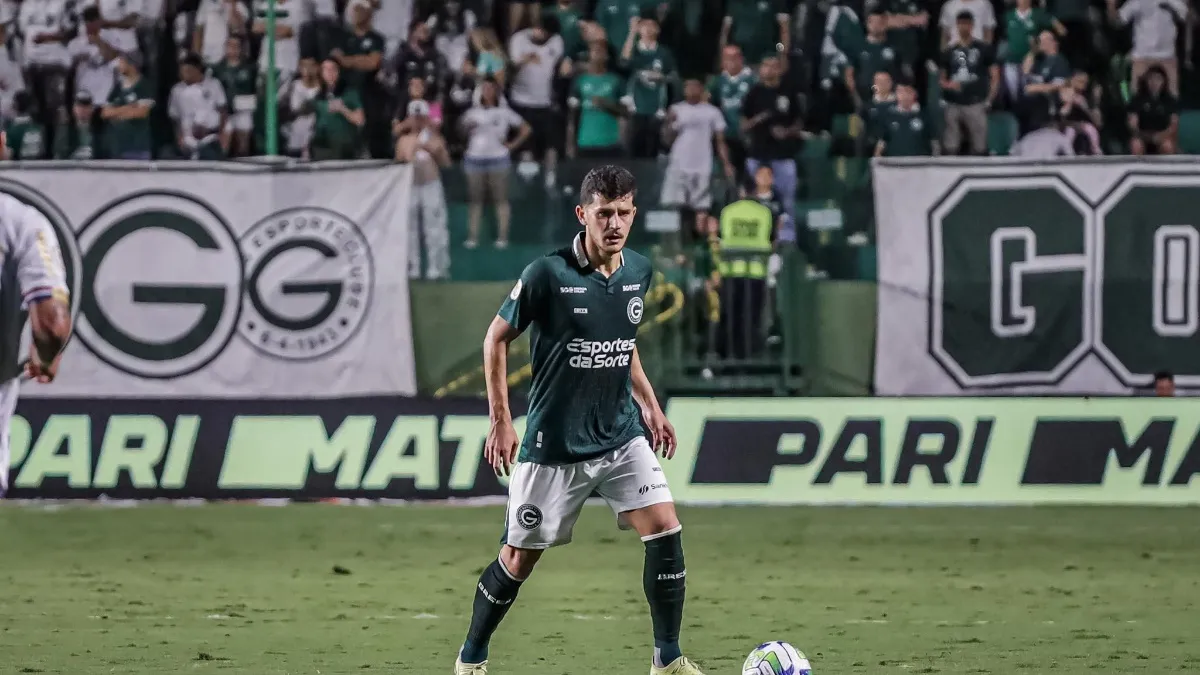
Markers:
point(544, 502)
point(633, 480)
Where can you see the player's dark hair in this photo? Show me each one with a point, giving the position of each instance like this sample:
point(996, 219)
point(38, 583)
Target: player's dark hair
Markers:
point(608, 182)
point(1164, 375)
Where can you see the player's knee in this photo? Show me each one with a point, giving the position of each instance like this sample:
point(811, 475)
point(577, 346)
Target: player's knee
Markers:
point(519, 561)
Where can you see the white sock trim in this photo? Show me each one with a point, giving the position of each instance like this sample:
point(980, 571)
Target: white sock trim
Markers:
point(504, 568)
point(674, 530)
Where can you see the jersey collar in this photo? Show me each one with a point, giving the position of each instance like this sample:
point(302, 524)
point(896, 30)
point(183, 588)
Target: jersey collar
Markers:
point(581, 255)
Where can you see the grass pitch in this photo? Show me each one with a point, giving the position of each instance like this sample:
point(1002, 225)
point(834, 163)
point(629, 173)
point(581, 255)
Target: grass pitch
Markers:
point(330, 589)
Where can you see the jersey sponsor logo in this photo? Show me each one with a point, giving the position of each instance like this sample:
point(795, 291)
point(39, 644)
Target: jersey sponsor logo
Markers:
point(653, 486)
point(672, 577)
point(634, 310)
point(529, 517)
point(631, 287)
point(516, 291)
point(600, 353)
point(572, 289)
point(296, 286)
point(491, 598)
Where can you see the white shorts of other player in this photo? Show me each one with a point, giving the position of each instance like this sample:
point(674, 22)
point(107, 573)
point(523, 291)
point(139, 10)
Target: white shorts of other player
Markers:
point(687, 189)
point(8, 405)
point(544, 501)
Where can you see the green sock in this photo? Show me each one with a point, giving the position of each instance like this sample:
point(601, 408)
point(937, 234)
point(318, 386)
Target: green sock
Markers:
point(494, 594)
point(663, 579)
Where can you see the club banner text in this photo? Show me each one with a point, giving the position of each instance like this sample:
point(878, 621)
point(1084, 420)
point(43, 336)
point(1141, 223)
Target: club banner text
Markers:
point(771, 451)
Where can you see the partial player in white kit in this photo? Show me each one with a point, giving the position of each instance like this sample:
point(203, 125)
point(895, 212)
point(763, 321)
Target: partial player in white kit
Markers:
point(32, 278)
point(584, 433)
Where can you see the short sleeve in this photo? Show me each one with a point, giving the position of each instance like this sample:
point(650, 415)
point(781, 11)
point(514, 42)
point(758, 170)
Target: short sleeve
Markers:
point(526, 302)
point(514, 120)
point(718, 121)
point(40, 270)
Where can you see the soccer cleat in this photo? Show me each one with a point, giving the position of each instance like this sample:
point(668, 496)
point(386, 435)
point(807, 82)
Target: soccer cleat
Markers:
point(680, 666)
point(461, 668)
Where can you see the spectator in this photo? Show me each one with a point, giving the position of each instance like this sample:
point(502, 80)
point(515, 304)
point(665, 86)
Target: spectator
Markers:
point(759, 27)
point(880, 107)
point(392, 19)
point(693, 128)
point(236, 77)
point(906, 132)
point(1153, 116)
point(535, 53)
point(1022, 24)
point(728, 92)
point(487, 159)
point(1046, 71)
point(876, 55)
point(568, 18)
point(490, 62)
point(618, 18)
point(704, 287)
point(12, 80)
point(415, 92)
point(25, 137)
point(1045, 143)
point(361, 56)
point(216, 21)
point(127, 114)
point(418, 58)
point(907, 20)
point(302, 118)
point(1080, 112)
point(983, 21)
point(522, 13)
point(771, 118)
point(199, 111)
point(338, 117)
point(762, 190)
point(424, 148)
point(1164, 384)
point(78, 139)
point(287, 34)
point(94, 57)
point(453, 25)
point(1154, 32)
point(45, 25)
point(970, 80)
point(651, 67)
point(122, 18)
point(595, 94)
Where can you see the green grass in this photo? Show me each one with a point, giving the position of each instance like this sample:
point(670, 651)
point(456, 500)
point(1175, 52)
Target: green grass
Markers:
point(328, 589)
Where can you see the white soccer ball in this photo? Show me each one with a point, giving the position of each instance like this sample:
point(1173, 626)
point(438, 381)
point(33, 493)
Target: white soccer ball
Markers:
point(776, 658)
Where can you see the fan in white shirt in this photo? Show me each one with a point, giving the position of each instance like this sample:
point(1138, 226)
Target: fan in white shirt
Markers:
point(1154, 32)
point(216, 20)
point(301, 92)
point(44, 25)
point(122, 18)
point(94, 56)
point(694, 126)
point(198, 108)
point(288, 18)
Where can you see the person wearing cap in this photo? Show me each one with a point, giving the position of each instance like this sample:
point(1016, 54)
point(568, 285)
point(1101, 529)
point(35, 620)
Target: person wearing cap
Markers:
point(198, 108)
point(94, 57)
point(127, 113)
point(25, 137)
point(970, 79)
point(78, 139)
point(905, 131)
point(423, 147)
point(239, 80)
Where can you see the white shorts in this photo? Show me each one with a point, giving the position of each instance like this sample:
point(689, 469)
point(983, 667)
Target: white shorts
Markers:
point(544, 501)
point(8, 405)
point(687, 188)
point(241, 120)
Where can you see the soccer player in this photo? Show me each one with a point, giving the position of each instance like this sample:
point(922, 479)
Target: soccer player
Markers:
point(582, 304)
point(31, 277)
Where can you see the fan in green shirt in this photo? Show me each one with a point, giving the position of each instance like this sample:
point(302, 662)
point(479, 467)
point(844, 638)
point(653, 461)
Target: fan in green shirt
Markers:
point(618, 18)
point(759, 27)
point(1022, 24)
point(906, 132)
point(596, 94)
point(875, 55)
point(361, 53)
point(876, 111)
point(568, 16)
point(239, 79)
point(25, 138)
point(651, 69)
point(907, 20)
point(78, 141)
point(337, 132)
point(729, 88)
point(127, 114)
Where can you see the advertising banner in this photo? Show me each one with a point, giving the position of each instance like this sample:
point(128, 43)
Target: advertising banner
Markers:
point(770, 451)
point(1006, 277)
point(229, 280)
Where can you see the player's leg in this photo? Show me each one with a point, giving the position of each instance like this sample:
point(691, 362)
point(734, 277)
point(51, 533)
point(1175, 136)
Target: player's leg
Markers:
point(637, 491)
point(543, 504)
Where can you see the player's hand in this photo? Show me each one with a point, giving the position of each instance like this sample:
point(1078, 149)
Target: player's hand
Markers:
point(500, 450)
point(38, 373)
point(662, 433)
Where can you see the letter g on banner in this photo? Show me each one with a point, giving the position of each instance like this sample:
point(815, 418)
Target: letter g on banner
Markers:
point(160, 285)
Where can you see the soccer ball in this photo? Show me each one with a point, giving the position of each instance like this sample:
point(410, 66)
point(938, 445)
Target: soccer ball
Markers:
point(776, 658)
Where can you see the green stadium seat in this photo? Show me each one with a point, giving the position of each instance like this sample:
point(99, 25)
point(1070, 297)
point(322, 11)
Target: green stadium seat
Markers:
point(1002, 133)
point(844, 127)
point(1189, 132)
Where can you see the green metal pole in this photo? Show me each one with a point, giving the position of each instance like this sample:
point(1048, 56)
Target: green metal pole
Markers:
point(272, 85)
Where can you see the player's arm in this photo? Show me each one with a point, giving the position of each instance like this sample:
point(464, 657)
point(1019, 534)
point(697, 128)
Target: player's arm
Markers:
point(661, 432)
point(40, 273)
point(521, 307)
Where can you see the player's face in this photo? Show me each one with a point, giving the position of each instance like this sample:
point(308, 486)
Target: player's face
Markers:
point(606, 222)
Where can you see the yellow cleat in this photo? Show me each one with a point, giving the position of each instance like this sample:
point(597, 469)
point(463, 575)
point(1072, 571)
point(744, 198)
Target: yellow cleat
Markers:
point(680, 666)
point(461, 668)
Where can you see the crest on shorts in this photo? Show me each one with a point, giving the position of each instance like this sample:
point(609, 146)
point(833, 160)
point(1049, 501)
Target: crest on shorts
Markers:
point(529, 517)
point(634, 310)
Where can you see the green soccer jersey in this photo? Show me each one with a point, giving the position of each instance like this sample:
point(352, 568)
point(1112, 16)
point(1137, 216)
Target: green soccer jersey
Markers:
point(1022, 28)
point(582, 332)
point(331, 129)
point(970, 66)
point(568, 27)
point(26, 139)
point(614, 17)
point(598, 128)
point(649, 83)
point(361, 45)
point(876, 114)
point(755, 27)
point(873, 57)
point(728, 92)
point(907, 41)
point(906, 134)
point(129, 136)
point(238, 79)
